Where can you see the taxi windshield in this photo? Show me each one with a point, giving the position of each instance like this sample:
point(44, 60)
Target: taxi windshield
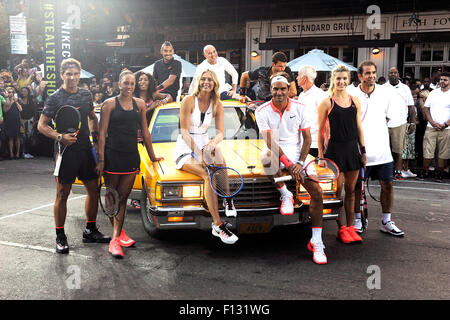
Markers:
point(239, 123)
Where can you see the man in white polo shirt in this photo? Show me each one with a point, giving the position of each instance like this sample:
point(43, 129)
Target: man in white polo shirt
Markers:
point(402, 119)
point(219, 65)
point(280, 121)
point(375, 112)
point(437, 112)
point(311, 97)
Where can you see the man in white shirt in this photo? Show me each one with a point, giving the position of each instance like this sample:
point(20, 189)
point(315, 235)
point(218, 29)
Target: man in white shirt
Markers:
point(375, 112)
point(219, 65)
point(311, 96)
point(281, 121)
point(403, 112)
point(437, 112)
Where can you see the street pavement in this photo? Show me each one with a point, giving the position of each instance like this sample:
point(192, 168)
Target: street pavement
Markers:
point(191, 265)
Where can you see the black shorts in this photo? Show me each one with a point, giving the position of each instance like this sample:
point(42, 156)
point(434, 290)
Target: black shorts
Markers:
point(117, 162)
point(76, 164)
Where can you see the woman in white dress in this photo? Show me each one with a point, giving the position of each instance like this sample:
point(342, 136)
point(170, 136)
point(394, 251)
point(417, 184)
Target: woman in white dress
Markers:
point(194, 150)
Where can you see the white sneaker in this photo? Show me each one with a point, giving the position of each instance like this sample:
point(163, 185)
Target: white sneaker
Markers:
point(405, 174)
point(390, 228)
point(411, 174)
point(317, 249)
point(358, 226)
point(230, 210)
point(224, 234)
point(287, 204)
point(27, 156)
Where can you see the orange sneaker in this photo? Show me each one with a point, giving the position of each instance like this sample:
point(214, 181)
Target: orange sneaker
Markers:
point(352, 232)
point(344, 236)
point(125, 241)
point(115, 249)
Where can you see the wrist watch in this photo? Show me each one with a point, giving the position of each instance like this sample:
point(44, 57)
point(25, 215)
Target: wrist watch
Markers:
point(59, 137)
point(302, 163)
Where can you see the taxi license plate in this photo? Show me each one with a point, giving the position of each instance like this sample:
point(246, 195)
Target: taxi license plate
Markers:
point(248, 228)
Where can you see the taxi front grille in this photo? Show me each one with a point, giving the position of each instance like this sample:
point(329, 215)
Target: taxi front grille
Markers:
point(259, 192)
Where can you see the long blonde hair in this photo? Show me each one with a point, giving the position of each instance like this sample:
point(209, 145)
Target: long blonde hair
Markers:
point(215, 96)
point(338, 68)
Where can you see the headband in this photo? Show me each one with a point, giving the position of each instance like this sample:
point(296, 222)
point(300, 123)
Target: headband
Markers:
point(70, 65)
point(279, 79)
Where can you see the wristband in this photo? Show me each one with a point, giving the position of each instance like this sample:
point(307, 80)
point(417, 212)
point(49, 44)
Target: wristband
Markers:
point(160, 87)
point(363, 149)
point(285, 160)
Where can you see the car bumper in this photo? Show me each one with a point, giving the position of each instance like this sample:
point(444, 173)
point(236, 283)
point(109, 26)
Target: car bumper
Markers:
point(259, 220)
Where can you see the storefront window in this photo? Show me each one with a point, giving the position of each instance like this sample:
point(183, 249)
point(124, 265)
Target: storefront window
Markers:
point(347, 55)
point(425, 55)
point(425, 72)
point(438, 54)
point(410, 54)
point(333, 52)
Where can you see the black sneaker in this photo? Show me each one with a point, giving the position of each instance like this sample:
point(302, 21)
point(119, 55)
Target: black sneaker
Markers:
point(439, 176)
point(90, 236)
point(61, 244)
point(423, 174)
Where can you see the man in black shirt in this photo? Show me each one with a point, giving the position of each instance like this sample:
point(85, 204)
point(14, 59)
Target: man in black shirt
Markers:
point(167, 72)
point(78, 160)
point(263, 74)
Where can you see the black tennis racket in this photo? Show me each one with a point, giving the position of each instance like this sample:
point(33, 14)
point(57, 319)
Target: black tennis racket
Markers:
point(108, 197)
point(67, 120)
point(226, 182)
point(320, 170)
point(363, 201)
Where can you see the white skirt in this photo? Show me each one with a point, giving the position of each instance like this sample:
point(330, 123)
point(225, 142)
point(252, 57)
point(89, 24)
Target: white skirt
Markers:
point(183, 152)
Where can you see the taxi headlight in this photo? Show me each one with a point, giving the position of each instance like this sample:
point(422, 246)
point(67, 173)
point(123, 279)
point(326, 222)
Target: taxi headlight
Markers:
point(192, 191)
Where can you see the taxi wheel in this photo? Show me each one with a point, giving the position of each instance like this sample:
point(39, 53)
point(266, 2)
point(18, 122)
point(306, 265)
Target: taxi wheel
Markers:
point(147, 217)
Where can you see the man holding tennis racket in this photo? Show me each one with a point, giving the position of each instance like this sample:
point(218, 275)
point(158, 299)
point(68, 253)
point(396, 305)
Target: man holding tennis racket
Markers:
point(281, 121)
point(75, 159)
point(375, 113)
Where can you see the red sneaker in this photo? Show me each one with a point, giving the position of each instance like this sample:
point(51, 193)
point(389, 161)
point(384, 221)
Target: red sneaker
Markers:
point(115, 249)
point(352, 232)
point(344, 236)
point(125, 241)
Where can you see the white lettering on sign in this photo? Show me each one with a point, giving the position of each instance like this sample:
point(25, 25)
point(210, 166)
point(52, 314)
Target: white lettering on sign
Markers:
point(321, 27)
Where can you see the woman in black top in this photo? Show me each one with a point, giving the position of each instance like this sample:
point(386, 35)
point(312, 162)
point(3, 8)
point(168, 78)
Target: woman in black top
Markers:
point(118, 155)
point(345, 145)
point(11, 113)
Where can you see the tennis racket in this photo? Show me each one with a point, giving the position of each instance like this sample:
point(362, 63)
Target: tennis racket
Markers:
point(320, 170)
point(226, 182)
point(67, 120)
point(363, 201)
point(108, 197)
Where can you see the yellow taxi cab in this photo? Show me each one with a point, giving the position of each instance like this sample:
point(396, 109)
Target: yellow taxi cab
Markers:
point(173, 199)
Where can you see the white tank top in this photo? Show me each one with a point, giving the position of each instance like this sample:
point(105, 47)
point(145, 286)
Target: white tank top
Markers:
point(200, 123)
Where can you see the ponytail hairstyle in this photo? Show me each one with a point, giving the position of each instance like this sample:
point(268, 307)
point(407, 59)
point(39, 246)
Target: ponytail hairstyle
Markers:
point(338, 68)
point(124, 72)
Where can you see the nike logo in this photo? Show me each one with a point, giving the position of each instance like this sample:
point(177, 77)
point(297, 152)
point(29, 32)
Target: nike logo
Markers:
point(291, 117)
point(208, 113)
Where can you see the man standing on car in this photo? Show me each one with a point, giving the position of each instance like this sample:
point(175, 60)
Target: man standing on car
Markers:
point(219, 65)
point(375, 113)
point(263, 75)
point(280, 122)
point(78, 161)
point(167, 72)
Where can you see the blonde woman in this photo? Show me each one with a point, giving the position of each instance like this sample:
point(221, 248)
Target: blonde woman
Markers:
point(193, 148)
point(346, 144)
